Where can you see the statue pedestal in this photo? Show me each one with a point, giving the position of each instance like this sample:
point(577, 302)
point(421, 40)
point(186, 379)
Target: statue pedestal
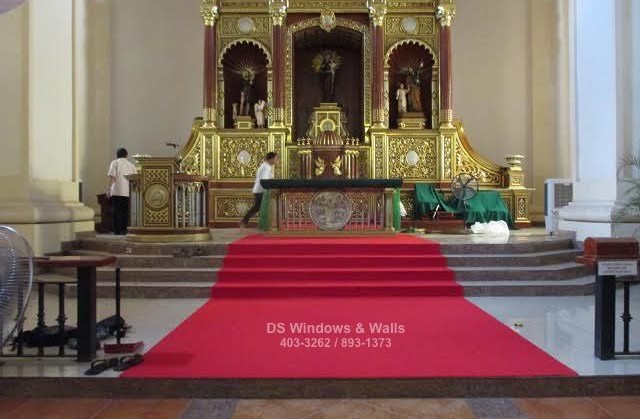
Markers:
point(411, 120)
point(244, 122)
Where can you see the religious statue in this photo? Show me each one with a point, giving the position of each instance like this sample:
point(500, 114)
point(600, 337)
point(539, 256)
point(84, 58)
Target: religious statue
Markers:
point(401, 97)
point(247, 92)
point(234, 111)
point(326, 64)
point(414, 83)
point(258, 109)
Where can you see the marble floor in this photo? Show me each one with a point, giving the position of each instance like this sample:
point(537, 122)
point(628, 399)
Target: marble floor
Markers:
point(568, 408)
point(562, 326)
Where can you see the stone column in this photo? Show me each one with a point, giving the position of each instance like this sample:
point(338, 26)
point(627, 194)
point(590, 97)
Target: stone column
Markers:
point(209, 13)
point(278, 10)
point(39, 128)
point(445, 13)
point(377, 12)
point(603, 82)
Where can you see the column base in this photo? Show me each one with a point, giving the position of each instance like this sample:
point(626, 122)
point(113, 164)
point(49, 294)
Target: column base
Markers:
point(47, 225)
point(595, 219)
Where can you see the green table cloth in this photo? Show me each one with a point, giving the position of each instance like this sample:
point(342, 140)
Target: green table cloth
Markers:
point(484, 207)
point(427, 199)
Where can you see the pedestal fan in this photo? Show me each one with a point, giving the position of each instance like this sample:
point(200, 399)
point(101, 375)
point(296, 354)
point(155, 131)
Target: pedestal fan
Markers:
point(16, 280)
point(464, 187)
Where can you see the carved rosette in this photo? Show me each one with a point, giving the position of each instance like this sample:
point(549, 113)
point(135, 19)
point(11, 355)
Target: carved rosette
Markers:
point(240, 157)
point(413, 158)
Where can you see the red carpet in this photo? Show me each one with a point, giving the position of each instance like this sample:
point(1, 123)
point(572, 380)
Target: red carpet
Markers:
point(370, 308)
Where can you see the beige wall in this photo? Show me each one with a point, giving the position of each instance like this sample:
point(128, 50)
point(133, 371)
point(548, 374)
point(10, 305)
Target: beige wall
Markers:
point(13, 85)
point(156, 73)
point(505, 58)
point(491, 75)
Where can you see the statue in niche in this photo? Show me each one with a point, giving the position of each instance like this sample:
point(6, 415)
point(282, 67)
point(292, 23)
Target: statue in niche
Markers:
point(414, 87)
point(247, 92)
point(401, 97)
point(258, 110)
point(326, 63)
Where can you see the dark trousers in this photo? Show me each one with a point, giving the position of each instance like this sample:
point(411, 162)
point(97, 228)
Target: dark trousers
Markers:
point(120, 214)
point(257, 201)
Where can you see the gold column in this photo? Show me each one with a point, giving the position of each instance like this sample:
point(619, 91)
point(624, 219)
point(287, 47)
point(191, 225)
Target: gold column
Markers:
point(209, 13)
point(278, 11)
point(445, 13)
point(377, 13)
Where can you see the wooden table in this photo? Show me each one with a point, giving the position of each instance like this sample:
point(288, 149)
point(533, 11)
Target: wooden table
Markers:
point(86, 268)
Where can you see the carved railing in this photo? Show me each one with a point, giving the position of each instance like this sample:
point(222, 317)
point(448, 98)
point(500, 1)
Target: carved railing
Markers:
point(342, 207)
point(167, 206)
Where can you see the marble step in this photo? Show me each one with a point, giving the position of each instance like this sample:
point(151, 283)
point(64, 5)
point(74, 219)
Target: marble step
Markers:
point(179, 290)
point(522, 273)
point(453, 260)
point(121, 246)
point(483, 246)
point(553, 272)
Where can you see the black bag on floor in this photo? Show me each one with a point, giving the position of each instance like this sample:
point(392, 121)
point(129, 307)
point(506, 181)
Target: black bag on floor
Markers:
point(45, 337)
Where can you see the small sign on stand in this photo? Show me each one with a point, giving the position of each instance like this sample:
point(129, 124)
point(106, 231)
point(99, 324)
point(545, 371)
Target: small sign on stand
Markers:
point(618, 268)
point(611, 259)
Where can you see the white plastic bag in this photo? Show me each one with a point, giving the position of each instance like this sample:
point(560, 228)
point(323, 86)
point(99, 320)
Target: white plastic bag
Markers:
point(492, 228)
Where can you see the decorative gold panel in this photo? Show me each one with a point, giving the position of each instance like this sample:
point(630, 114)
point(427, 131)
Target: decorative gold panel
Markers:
point(407, 199)
point(231, 206)
point(413, 158)
point(243, 5)
point(379, 156)
point(152, 218)
point(485, 174)
point(228, 26)
point(293, 162)
point(230, 147)
point(425, 26)
point(156, 181)
point(447, 171)
point(156, 175)
point(363, 162)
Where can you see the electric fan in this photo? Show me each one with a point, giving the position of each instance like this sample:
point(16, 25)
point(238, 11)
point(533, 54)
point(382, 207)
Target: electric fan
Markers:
point(16, 279)
point(464, 187)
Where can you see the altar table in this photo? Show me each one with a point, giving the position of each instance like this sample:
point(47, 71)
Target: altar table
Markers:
point(331, 206)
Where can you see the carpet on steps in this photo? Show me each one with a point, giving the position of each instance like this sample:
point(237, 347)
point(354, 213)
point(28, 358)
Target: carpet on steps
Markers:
point(314, 315)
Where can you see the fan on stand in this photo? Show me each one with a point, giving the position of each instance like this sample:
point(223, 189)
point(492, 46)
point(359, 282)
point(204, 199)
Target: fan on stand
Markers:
point(464, 187)
point(16, 280)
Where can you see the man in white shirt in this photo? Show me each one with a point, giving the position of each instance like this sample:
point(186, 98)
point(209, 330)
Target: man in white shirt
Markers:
point(265, 171)
point(118, 190)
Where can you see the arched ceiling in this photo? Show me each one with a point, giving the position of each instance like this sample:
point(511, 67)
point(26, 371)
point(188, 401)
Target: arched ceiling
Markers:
point(316, 37)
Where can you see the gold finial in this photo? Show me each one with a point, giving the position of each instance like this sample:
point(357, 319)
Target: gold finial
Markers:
point(377, 11)
point(446, 12)
point(209, 12)
point(278, 10)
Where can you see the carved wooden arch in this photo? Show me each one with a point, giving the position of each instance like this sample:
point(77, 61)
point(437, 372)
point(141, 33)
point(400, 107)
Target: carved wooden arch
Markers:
point(249, 41)
point(410, 41)
point(366, 57)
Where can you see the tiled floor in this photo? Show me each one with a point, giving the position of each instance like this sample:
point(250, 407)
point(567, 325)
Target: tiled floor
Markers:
point(570, 408)
point(562, 326)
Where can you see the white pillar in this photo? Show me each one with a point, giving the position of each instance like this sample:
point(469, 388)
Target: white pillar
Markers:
point(600, 60)
point(39, 188)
